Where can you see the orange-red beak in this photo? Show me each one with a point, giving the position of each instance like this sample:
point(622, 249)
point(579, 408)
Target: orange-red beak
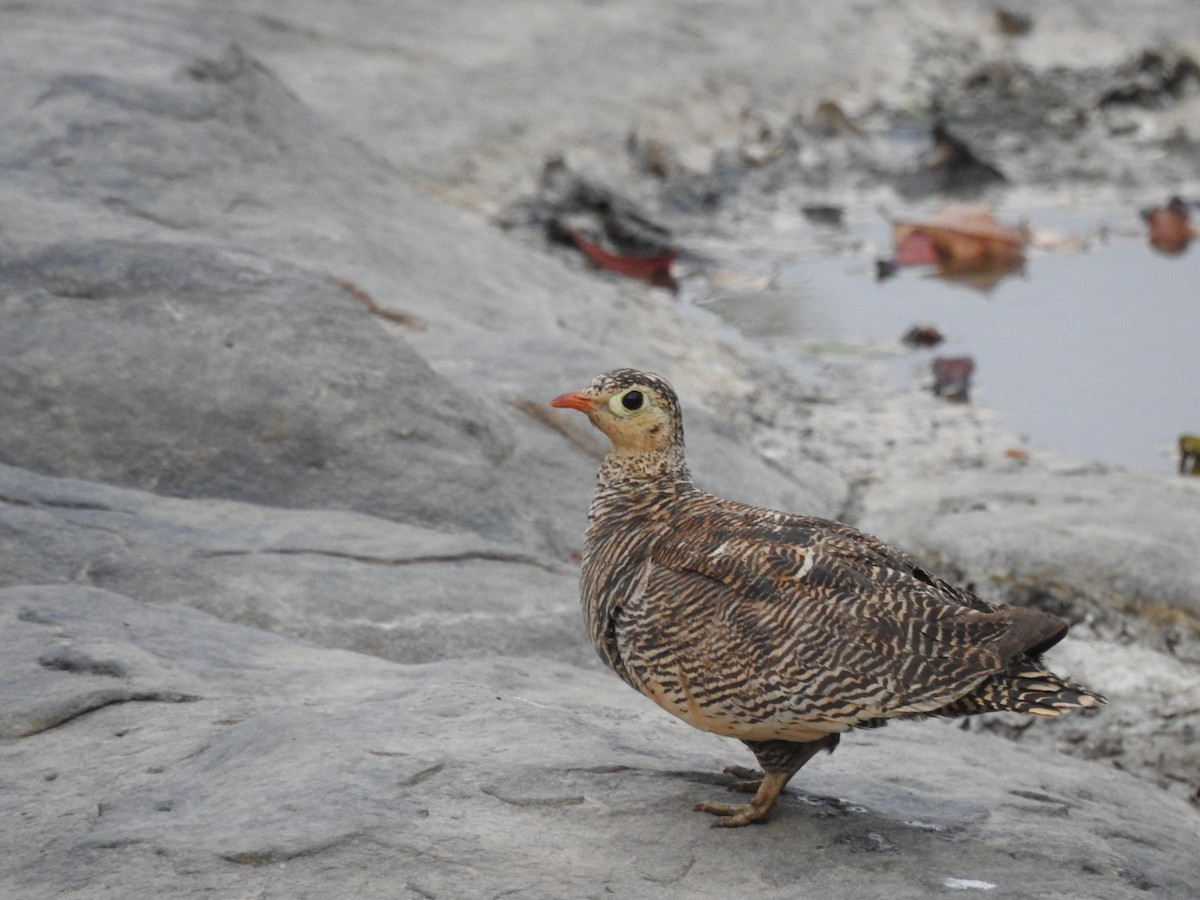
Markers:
point(574, 400)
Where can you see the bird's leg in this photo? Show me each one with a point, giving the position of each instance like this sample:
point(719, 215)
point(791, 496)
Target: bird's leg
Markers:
point(780, 761)
point(731, 815)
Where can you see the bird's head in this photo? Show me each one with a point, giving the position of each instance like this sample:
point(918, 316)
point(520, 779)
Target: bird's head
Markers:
point(638, 411)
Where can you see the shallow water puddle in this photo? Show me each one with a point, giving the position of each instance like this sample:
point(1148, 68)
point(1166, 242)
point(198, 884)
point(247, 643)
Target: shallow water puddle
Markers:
point(1091, 352)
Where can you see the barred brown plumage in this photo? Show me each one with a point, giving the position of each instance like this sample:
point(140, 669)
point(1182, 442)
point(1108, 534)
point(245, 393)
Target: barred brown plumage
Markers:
point(781, 630)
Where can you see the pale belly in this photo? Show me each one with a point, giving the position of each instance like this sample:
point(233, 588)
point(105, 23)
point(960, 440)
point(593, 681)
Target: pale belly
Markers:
point(732, 722)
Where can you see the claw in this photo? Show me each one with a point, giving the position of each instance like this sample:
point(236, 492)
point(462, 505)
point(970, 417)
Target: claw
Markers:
point(732, 815)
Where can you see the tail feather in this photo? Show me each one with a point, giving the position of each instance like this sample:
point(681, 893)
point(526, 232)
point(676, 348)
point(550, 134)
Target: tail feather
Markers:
point(1027, 688)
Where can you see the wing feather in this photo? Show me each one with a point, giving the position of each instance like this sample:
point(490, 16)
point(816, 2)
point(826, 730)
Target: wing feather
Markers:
point(786, 625)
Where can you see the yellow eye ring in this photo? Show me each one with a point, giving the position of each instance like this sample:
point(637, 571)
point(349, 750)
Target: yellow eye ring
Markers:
point(627, 402)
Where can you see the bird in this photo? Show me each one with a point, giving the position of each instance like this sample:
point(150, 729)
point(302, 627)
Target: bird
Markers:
point(781, 630)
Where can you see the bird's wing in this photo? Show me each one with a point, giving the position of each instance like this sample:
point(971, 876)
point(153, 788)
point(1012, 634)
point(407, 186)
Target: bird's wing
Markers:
point(799, 623)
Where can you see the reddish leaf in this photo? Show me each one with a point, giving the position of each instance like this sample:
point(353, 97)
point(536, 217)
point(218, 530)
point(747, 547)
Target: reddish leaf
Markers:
point(915, 249)
point(1170, 229)
point(655, 269)
point(963, 239)
point(952, 377)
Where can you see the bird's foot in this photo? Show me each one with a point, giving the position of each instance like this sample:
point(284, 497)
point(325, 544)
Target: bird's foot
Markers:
point(752, 779)
point(733, 815)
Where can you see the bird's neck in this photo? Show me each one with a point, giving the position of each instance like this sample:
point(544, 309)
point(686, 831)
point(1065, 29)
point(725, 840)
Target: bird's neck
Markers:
point(652, 470)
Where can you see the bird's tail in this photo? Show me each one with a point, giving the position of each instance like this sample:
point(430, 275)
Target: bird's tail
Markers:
point(1025, 687)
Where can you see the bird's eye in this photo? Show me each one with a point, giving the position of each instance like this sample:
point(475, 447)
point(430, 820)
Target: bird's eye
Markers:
point(628, 402)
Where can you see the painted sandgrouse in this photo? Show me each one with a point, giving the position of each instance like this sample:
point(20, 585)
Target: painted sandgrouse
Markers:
point(781, 630)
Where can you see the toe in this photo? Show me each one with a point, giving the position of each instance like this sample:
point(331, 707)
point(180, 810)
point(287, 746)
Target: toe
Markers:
point(746, 787)
point(744, 772)
point(732, 815)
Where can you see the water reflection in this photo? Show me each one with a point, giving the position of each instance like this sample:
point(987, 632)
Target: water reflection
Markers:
point(1092, 353)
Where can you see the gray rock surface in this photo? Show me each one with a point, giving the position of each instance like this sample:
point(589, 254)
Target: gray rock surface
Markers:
point(264, 362)
point(341, 579)
point(171, 322)
point(163, 752)
point(1114, 537)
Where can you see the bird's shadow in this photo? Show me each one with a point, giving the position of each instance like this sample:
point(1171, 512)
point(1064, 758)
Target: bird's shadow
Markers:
point(806, 804)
